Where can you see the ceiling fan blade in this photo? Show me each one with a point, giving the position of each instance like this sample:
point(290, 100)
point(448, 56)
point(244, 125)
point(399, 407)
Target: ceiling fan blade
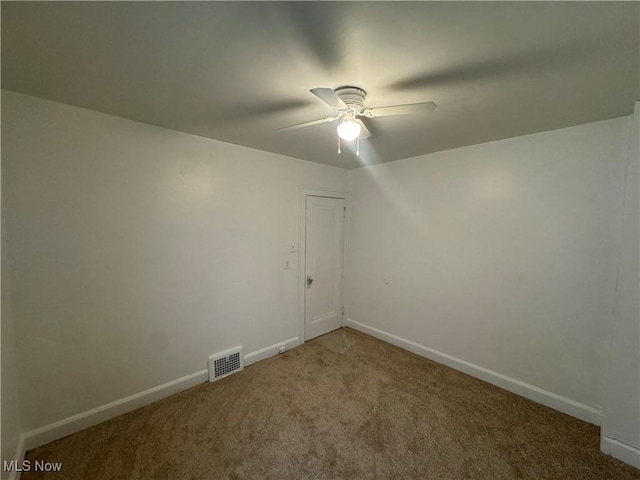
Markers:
point(308, 124)
point(408, 109)
point(364, 133)
point(329, 97)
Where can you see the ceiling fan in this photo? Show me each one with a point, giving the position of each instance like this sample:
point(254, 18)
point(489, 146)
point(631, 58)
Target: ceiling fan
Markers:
point(348, 103)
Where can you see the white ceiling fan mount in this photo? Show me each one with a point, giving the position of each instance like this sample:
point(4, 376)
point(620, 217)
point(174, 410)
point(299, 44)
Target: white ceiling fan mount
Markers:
point(353, 97)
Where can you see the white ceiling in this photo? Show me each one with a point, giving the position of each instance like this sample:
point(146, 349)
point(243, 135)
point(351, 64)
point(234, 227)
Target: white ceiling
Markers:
point(237, 71)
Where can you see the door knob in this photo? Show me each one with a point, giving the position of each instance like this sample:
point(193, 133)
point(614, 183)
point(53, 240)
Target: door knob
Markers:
point(309, 281)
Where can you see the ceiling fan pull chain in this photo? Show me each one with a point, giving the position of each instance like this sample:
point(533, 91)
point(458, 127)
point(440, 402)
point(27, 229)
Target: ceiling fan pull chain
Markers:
point(358, 145)
point(339, 152)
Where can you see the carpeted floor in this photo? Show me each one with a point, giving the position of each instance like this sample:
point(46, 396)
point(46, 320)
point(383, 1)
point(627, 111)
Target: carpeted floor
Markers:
point(344, 406)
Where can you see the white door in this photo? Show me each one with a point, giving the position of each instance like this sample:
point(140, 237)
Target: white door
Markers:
point(323, 265)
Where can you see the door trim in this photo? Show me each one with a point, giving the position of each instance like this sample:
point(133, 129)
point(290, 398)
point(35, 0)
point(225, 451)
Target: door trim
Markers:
point(303, 192)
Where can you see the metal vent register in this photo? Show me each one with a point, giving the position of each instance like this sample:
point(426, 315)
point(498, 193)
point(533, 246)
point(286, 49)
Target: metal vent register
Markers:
point(225, 363)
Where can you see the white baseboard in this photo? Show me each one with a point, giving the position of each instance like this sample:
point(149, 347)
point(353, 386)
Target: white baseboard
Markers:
point(270, 351)
point(621, 451)
point(575, 409)
point(67, 426)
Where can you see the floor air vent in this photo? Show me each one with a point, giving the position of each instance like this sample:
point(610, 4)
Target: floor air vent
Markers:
point(225, 363)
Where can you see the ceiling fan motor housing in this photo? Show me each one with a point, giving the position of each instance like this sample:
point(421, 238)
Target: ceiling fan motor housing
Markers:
point(353, 97)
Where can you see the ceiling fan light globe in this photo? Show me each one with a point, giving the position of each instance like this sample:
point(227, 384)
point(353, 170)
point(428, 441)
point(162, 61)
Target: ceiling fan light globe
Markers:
point(349, 130)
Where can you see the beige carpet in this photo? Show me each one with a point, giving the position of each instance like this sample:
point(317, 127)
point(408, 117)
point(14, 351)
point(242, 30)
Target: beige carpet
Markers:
point(344, 406)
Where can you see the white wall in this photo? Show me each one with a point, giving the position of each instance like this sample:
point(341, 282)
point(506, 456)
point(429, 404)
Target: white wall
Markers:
point(11, 426)
point(621, 430)
point(10, 405)
point(137, 251)
point(502, 255)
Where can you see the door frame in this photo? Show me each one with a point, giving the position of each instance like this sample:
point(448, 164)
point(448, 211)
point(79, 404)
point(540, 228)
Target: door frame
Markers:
point(305, 191)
